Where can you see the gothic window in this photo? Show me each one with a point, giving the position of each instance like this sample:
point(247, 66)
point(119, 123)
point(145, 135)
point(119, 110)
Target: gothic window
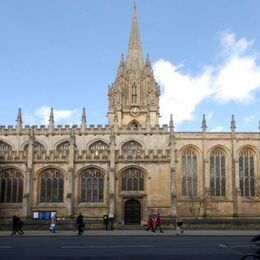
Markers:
point(189, 173)
point(37, 146)
point(51, 186)
point(5, 147)
point(92, 186)
point(247, 173)
point(217, 173)
point(63, 148)
point(132, 180)
point(132, 148)
point(99, 147)
point(134, 93)
point(134, 125)
point(11, 186)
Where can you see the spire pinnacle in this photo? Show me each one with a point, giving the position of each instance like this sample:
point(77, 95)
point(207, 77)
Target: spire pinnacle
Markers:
point(134, 55)
point(204, 123)
point(171, 124)
point(19, 120)
point(83, 120)
point(51, 121)
point(233, 124)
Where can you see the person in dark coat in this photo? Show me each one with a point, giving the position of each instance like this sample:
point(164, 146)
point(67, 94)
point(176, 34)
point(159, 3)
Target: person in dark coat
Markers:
point(20, 225)
point(80, 224)
point(16, 226)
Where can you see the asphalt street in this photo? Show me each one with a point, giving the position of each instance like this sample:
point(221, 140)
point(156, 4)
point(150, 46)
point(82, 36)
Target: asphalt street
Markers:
point(116, 247)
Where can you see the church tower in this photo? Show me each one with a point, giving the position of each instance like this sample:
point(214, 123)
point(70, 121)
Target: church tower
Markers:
point(134, 96)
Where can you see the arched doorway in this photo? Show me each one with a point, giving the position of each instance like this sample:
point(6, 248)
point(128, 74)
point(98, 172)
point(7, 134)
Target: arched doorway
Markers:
point(132, 212)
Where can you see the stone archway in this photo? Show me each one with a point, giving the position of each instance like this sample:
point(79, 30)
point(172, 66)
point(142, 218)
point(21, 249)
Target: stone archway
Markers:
point(132, 212)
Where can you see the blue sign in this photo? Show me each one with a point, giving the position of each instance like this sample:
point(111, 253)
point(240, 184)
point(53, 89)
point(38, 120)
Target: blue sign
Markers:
point(43, 215)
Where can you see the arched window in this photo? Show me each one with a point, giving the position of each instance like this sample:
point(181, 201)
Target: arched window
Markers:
point(37, 146)
point(134, 125)
point(134, 93)
point(11, 186)
point(189, 173)
point(132, 148)
point(63, 146)
point(51, 186)
point(132, 180)
point(92, 186)
point(5, 146)
point(217, 173)
point(247, 173)
point(99, 147)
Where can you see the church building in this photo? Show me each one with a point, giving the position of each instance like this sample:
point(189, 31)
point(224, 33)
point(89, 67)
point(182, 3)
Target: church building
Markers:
point(132, 167)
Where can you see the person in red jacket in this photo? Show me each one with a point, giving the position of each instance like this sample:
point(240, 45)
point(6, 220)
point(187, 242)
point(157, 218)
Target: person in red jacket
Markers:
point(150, 224)
point(158, 222)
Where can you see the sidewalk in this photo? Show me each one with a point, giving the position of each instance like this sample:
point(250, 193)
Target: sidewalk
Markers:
point(187, 233)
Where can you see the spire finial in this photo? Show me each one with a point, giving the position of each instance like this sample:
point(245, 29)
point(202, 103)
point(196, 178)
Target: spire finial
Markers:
point(171, 124)
point(204, 123)
point(51, 120)
point(233, 124)
point(19, 119)
point(134, 55)
point(84, 117)
point(83, 120)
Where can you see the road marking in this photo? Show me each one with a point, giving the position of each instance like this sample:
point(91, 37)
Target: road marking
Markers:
point(221, 245)
point(78, 247)
point(5, 247)
point(240, 246)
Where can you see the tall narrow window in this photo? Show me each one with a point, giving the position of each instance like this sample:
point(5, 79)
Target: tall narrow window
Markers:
point(51, 186)
point(247, 173)
point(11, 186)
point(134, 93)
point(92, 186)
point(217, 173)
point(189, 173)
point(132, 180)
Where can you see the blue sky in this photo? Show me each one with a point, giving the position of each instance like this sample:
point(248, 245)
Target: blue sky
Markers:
point(64, 54)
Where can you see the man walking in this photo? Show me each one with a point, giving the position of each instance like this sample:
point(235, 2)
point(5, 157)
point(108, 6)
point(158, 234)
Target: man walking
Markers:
point(158, 222)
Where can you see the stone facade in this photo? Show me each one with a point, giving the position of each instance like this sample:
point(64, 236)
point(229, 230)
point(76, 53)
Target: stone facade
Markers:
point(131, 167)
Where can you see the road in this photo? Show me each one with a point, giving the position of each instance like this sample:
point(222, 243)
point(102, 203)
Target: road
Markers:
point(111, 247)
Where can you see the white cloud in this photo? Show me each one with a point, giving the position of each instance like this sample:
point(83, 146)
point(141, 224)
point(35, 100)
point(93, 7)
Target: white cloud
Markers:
point(42, 114)
point(234, 78)
point(250, 118)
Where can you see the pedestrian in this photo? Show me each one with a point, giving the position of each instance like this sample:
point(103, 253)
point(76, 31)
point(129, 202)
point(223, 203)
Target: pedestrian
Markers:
point(19, 225)
point(158, 222)
point(179, 226)
point(53, 225)
point(150, 224)
point(15, 226)
point(80, 224)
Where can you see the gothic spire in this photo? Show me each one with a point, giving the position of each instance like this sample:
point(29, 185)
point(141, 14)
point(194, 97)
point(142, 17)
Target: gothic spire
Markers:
point(19, 119)
point(204, 123)
point(233, 124)
point(83, 120)
point(51, 120)
point(134, 55)
point(171, 124)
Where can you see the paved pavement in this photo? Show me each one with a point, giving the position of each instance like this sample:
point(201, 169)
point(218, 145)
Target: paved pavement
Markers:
point(44, 233)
